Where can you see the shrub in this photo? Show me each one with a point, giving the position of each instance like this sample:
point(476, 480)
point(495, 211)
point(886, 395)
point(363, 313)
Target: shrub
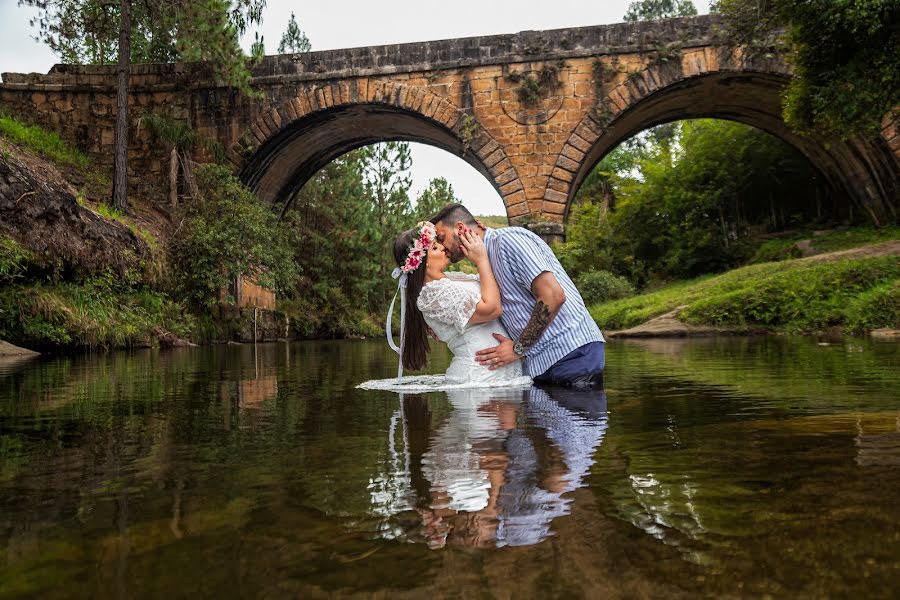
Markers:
point(602, 286)
point(14, 260)
point(229, 232)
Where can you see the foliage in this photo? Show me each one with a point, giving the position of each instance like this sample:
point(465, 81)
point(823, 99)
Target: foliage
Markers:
point(227, 232)
point(46, 143)
point(845, 57)
point(694, 203)
point(587, 245)
point(335, 237)
point(180, 135)
point(98, 313)
point(258, 48)
point(436, 196)
point(294, 40)
point(649, 10)
point(794, 295)
point(342, 227)
point(87, 31)
point(603, 286)
point(14, 260)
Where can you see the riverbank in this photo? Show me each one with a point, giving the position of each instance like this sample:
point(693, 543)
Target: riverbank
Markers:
point(848, 291)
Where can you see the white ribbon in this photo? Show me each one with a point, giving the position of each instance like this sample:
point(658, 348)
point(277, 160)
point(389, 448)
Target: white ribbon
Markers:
point(401, 289)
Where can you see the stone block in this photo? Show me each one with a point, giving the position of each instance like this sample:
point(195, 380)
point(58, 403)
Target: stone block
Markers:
point(276, 118)
point(568, 164)
point(512, 186)
point(712, 58)
point(554, 207)
point(289, 111)
point(506, 177)
point(555, 196)
point(578, 142)
point(501, 167)
point(573, 153)
point(517, 210)
point(558, 185)
point(487, 149)
point(562, 174)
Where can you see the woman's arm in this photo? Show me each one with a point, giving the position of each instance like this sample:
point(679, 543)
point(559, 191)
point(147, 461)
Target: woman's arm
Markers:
point(490, 307)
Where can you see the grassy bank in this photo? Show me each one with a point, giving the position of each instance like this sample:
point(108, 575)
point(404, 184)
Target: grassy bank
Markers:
point(91, 314)
point(855, 294)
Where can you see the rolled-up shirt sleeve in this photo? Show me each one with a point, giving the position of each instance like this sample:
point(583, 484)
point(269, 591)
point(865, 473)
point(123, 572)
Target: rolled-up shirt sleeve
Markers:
point(526, 256)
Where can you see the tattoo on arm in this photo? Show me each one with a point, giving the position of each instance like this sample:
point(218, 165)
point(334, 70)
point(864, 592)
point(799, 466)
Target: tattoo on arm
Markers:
point(539, 322)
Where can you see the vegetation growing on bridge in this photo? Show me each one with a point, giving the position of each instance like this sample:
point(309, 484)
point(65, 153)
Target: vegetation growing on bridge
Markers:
point(845, 57)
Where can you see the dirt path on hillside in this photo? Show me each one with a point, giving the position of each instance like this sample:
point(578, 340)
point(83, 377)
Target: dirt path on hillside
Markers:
point(891, 248)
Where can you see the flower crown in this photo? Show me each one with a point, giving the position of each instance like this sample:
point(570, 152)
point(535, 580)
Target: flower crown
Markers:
point(419, 248)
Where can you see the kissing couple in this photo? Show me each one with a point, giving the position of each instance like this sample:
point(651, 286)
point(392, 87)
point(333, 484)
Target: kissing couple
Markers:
point(520, 314)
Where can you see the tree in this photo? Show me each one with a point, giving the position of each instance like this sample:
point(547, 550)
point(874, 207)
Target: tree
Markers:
point(123, 72)
point(649, 10)
point(436, 196)
point(294, 41)
point(227, 232)
point(103, 31)
point(845, 58)
point(258, 48)
point(387, 183)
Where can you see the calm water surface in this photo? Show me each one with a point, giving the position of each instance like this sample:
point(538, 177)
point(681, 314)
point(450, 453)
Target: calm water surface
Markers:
point(733, 467)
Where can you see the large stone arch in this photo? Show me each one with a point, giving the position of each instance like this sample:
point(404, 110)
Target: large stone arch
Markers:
point(290, 142)
point(721, 83)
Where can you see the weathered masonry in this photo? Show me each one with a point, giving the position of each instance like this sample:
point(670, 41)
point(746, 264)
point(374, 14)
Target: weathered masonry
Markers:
point(532, 111)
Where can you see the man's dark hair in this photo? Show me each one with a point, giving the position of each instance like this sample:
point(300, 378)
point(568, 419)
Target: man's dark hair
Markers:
point(453, 213)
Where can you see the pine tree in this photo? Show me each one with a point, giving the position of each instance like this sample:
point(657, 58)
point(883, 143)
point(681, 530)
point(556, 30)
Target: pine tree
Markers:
point(258, 48)
point(436, 196)
point(294, 41)
point(649, 10)
point(104, 32)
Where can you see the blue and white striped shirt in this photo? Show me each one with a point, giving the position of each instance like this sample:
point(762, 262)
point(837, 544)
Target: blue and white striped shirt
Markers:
point(517, 256)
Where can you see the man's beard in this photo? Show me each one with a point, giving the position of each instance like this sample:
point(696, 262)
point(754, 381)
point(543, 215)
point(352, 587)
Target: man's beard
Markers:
point(457, 255)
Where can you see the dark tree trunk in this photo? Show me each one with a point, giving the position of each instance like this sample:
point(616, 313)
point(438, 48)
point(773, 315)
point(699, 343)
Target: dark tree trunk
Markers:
point(120, 169)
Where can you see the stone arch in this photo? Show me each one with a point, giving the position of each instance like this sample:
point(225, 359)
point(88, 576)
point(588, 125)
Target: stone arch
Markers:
point(721, 83)
point(290, 142)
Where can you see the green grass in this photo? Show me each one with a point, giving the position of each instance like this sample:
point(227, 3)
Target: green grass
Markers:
point(788, 296)
point(93, 314)
point(44, 142)
point(785, 248)
point(14, 259)
point(495, 221)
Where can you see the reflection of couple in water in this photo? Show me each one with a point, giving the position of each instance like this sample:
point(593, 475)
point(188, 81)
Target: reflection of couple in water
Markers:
point(495, 471)
point(520, 314)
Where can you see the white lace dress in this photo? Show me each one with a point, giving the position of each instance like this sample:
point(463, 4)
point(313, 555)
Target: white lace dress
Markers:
point(447, 305)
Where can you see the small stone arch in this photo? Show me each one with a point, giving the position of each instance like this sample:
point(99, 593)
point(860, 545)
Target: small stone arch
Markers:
point(718, 82)
point(321, 122)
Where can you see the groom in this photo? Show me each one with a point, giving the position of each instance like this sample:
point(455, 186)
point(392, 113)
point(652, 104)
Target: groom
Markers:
point(551, 329)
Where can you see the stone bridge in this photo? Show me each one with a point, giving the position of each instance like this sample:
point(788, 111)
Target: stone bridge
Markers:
point(533, 111)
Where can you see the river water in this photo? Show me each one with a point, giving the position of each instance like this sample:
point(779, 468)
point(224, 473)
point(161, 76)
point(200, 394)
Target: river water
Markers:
point(726, 467)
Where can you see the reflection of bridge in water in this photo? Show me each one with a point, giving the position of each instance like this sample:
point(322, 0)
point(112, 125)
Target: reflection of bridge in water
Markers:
point(533, 112)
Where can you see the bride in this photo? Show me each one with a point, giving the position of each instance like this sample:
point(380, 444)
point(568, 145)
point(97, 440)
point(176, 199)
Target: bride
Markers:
point(461, 310)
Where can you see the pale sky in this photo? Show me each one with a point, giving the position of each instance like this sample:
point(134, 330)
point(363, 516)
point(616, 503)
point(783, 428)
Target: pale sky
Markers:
point(351, 23)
